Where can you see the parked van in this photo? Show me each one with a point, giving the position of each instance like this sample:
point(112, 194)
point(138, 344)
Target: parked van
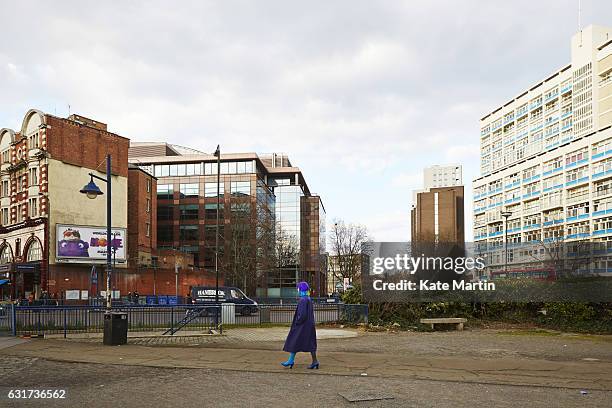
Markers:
point(203, 295)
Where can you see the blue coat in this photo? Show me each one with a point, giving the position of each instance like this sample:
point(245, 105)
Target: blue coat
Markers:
point(302, 336)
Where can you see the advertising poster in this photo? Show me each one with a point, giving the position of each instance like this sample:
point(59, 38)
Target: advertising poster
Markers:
point(89, 243)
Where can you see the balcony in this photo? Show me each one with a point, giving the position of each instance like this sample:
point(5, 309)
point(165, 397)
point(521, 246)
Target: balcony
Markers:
point(576, 182)
point(566, 89)
point(602, 154)
point(578, 199)
point(535, 105)
point(552, 203)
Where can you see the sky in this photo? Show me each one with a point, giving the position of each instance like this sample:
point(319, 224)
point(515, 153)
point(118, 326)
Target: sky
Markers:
point(360, 94)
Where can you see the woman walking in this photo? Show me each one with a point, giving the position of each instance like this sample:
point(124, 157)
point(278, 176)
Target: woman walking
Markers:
point(302, 337)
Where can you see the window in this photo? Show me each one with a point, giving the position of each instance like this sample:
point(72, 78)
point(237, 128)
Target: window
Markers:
point(577, 174)
point(33, 176)
point(189, 190)
point(531, 220)
point(553, 164)
point(34, 252)
point(602, 147)
point(603, 204)
point(602, 166)
point(165, 233)
point(164, 191)
point(554, 215)
point(162, 170)
point(210, 189)
point(5, 215)
point(210, 211)
point(148, 227)
point(241, 188)
point(189, 212)
point(148, 183)
point(188, 233)
point(602, 224)
point(530, 172)
point(20, 213)
point(33, 207)
point(165, 213)
point(148, 205)
point(6, 188)
point(6, 156)
point(192, 169)
point(5, 256)
point(532, 188)
point(576, 210)
point(576, 156)
point(532, 206)
point(33, 141)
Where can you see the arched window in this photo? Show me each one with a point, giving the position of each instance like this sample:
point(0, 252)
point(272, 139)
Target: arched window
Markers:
point(5, 255)
point(34, 252)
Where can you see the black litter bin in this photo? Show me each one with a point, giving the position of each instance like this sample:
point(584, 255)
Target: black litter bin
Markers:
point(115, 328)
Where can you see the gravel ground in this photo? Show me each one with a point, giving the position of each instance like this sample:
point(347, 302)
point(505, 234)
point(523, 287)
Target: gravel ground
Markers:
point(96, 385)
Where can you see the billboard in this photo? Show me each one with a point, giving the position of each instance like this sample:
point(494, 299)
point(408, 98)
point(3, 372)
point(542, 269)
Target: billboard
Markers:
point(80, 243)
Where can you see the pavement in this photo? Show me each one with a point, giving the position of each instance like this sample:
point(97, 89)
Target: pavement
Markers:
point(574, 369)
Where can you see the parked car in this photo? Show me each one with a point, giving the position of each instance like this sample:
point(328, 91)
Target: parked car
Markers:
point(205, 295)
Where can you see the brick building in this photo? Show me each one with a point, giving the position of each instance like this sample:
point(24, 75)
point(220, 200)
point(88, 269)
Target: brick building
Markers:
point(53, 238)
point(438, 216)
point(43, 166)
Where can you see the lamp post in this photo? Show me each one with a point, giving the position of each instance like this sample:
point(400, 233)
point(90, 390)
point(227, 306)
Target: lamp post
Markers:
point(92, 191)
point(218, 156)
point(506, 214)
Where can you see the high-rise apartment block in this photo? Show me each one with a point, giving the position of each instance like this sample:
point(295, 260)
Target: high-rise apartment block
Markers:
point(442, 176)
point(546, 156)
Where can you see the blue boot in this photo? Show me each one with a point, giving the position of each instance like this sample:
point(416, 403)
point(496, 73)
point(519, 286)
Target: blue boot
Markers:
point(289, 362)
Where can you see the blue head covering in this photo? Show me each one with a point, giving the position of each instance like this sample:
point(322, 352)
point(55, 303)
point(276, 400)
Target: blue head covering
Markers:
point(303, 288)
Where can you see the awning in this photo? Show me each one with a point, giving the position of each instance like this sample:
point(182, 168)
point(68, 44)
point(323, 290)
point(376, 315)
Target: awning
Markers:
point(3, 281)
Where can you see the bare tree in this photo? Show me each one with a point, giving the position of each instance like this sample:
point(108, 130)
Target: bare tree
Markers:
point(346, 241)
point(250, 243)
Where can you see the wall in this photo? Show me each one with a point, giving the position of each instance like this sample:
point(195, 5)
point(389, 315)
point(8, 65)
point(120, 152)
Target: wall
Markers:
point(68, 206)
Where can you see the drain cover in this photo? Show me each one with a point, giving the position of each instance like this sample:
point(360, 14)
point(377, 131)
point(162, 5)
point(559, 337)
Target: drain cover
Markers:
point(354, 396)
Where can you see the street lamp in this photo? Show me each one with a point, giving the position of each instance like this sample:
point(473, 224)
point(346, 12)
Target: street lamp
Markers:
point(506, 214)
point(92, 191)
point(217, 154)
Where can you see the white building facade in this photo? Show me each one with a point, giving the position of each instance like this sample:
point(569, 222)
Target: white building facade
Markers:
point(546, 157)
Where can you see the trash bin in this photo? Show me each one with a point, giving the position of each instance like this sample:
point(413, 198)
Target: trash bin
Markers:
point(115, 328)
point(264, 314)
point(228, 313)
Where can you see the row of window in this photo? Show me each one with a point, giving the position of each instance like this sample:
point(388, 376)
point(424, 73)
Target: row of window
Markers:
point(199, 169)
point(187, 190)
point(32, 211)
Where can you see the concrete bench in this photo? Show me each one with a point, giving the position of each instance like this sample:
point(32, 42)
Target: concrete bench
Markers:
point(445, 320)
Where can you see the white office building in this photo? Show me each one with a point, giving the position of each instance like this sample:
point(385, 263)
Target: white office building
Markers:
point(546, 157)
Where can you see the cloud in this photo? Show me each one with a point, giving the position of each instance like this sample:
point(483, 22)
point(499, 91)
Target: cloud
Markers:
point(361, 95)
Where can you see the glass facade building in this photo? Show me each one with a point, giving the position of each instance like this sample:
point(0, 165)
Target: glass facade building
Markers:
point(271, 227)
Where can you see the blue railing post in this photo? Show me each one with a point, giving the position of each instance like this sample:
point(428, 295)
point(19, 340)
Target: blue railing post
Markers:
point(14, 319)
point(65, 322)
point(367, 314)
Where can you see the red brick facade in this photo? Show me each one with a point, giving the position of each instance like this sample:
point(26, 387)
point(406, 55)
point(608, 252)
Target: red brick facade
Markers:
point(142, 217)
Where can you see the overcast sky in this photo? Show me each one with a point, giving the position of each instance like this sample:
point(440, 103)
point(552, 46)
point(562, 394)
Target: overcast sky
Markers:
point(361, 94)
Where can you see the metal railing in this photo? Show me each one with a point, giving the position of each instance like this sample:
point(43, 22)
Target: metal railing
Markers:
point(43, 320)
